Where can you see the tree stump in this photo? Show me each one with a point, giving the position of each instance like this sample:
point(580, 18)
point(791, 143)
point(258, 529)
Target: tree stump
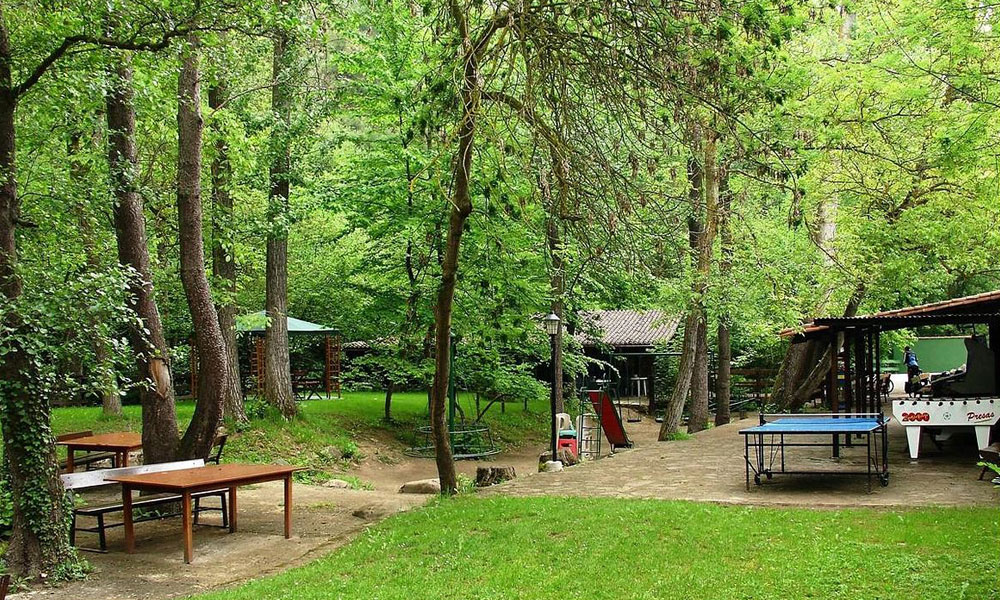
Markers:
point(487, 476)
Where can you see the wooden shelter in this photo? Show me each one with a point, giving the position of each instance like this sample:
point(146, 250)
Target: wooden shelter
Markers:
point(630, 340)
point(255, 325)
point(858, 341)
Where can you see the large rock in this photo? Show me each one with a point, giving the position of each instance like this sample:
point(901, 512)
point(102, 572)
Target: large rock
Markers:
point(338, 484)
point(422, 486)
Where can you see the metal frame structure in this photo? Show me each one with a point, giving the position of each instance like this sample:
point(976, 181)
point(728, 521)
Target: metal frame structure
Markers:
point(469, 441)
point(767, 442)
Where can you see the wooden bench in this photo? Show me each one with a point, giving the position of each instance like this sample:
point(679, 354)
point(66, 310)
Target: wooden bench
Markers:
point(87, 459)
point(93, 479)
point(4, 585)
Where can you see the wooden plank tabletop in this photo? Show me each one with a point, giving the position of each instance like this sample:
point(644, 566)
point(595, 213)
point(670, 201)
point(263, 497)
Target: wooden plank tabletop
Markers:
point(106, 441)
point(207, 476)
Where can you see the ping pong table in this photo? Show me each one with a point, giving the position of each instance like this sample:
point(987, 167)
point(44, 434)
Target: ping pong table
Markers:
point(764, 444)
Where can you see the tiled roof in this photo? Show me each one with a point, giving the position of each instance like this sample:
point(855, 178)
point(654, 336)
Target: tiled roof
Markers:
point(618, 328)
point(985, 303)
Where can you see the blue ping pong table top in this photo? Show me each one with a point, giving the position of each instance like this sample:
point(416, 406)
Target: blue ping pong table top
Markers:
point(805, 425)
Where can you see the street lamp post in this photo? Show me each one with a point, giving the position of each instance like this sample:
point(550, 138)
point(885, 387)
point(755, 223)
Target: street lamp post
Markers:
point(552, 324)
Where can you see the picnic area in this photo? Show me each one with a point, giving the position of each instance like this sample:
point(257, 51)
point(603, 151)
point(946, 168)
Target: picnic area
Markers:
point(529, 300)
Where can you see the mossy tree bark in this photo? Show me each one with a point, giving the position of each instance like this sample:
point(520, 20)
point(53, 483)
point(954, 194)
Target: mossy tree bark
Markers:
point(200, 435)
point(40, 540)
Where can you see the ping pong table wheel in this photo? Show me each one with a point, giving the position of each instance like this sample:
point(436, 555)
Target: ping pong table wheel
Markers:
point(769, 475)
point(884, 480)
point(756, 479)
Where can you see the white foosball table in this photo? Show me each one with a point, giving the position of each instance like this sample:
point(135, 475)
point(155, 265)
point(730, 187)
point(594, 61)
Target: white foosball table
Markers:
point(917, 413)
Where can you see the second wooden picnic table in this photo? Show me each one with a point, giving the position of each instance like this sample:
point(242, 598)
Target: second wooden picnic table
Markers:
point(120, 443)
point(186, 482)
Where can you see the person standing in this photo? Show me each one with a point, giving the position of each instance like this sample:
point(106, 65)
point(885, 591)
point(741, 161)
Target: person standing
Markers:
point(912, 371)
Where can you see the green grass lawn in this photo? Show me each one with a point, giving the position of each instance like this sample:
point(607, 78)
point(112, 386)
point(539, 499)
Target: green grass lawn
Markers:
point(622, 549)
point(325, 438)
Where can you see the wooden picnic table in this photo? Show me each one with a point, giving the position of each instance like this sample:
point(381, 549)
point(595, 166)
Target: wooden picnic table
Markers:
point(186, 482)
point(120, 443)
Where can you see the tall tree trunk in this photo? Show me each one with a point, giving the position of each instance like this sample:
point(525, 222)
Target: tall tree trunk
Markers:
point(461, 208)
point(556, 288)
point(723, 381)
point(699, 394)
point(704, 180)
point(111, 402)
point(223, 262)
point(39, 542)
point(698, 414)
point(277, 364)
point(159, 418)
point(211, 351)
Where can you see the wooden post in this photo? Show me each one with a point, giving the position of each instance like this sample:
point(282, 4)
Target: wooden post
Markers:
point(336, 363)
point(878, 370)
point(850, 373)
point(258, 364)
point(326, 364)
point(651, 386)
point(834, 396)
point(860, 363)
point(872, 386)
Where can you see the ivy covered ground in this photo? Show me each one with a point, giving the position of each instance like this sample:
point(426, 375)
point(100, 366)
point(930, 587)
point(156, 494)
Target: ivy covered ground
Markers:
point(630, 549)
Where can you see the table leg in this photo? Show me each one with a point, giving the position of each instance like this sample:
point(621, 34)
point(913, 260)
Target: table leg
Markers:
point(124, 462)
point(232, 509)
point(127, 518)
point(288, 506)
point(186, 523)
point(69, 459)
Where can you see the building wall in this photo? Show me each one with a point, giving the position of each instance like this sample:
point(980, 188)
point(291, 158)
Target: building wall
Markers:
point(935, 354)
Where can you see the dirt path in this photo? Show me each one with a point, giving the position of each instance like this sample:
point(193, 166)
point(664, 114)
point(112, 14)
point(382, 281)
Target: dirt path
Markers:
point(710, 467)
point(324, 519)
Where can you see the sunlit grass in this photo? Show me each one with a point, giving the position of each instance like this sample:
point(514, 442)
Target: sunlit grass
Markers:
point(624, 549)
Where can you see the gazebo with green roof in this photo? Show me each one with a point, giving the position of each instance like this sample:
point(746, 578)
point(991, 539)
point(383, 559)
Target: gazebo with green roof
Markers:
point(255, 325)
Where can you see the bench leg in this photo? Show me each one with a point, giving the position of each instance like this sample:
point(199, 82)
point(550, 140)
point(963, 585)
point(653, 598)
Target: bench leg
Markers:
point(225, 509)
point(100, 533)
point(197, 509)
point(72, 529)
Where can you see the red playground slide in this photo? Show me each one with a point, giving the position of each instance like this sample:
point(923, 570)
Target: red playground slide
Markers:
point(611, 421)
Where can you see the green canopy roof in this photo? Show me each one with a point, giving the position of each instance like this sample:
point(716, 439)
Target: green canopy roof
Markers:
point(256, 322)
